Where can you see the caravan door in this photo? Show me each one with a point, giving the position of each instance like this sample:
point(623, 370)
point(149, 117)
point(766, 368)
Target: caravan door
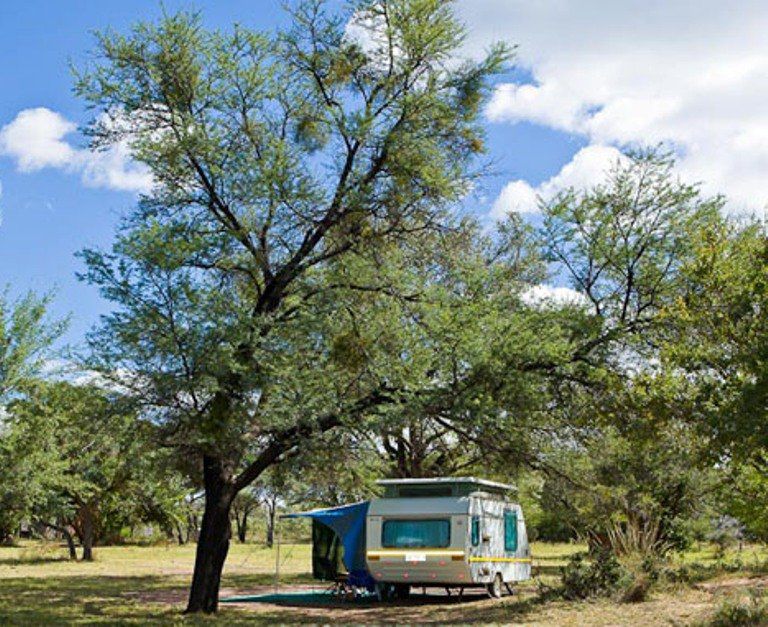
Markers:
point(481, 540)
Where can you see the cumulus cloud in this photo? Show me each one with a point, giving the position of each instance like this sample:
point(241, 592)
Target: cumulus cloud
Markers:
point(587, 168)
point(548, 296)
point(693, 75)
point(37, 138)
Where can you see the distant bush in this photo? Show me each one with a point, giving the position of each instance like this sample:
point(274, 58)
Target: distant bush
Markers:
point(600, 576)
point(741, 614)
point(696, 571)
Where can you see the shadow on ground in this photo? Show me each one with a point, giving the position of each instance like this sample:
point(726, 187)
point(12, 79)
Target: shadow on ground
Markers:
point(160, 600)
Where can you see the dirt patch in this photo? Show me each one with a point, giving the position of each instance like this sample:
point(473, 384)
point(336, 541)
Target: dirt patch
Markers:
point(723, 585)
point(170, 596)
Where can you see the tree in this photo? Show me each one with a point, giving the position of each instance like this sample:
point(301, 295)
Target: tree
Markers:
point(638, 480)
point(744, 492)
point(718, 333)
point(274, 160)
point(91, 471)
point(718, 336)
point(623, 245)
point(26, 336)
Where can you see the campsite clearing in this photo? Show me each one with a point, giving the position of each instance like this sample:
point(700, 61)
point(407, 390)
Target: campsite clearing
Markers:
point(137, 584)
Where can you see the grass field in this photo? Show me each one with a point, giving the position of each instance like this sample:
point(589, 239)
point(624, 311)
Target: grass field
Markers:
point(141, 584)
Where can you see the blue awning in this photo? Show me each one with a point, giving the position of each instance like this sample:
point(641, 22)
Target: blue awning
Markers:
point(348, 522)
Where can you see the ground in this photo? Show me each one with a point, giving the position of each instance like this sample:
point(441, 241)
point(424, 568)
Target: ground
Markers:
point(139, 584)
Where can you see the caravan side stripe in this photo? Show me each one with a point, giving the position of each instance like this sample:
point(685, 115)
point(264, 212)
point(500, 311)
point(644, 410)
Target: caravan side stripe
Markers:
point(518, 560)
point(399, 553)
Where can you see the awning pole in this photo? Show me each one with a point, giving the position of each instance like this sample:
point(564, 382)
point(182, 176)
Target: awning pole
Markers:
point(277, 555)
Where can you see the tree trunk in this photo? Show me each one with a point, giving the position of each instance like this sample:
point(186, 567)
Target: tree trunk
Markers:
point(271, 511)
point(242, 527)
point(70, 543)
point(87, 516)
point(192, 528)
point(62, 529)
point(213, 544)
point(180, 534)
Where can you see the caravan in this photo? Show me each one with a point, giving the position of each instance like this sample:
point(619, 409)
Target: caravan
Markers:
point(447, 532)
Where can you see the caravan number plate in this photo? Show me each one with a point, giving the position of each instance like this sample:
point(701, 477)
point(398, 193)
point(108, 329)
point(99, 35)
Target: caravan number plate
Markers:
point(415, 557)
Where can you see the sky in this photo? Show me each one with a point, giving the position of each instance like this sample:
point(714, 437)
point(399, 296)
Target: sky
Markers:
point(590, 78)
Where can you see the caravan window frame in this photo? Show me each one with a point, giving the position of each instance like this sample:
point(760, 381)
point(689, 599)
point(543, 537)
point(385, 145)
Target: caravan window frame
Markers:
point(387, 521)
point(474, 530)
point(511, 521)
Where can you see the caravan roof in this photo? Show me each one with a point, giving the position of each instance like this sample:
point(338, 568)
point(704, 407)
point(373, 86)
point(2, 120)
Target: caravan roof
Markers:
point(441, 486)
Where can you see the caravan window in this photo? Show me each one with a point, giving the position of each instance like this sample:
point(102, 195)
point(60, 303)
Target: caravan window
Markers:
point(416, 534)
point(510, 530)
point(475, 530)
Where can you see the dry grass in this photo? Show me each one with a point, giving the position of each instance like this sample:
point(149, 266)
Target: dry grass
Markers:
point(139, 585)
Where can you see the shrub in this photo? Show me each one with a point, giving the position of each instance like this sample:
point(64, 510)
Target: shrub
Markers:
point(636, 589)
point(599, 577)
point(742, 614)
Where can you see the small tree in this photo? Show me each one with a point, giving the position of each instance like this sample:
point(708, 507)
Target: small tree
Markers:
point(87, 441)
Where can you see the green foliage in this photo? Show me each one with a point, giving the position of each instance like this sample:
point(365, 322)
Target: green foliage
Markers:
point(26, 335)
point(284, 166)
point(720, 334)
point(743, 491)
point(631, 469)
point(735, 613)
point(599, 576)
point(602, 574)
point(636, 494)
point(80, 454)
point(623, 242)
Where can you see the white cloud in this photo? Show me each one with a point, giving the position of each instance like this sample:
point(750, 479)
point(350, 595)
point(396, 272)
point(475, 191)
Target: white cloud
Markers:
point(588, 167)
point(37, 139)
point(516, 197)
point(546, 296)
point(690, 74)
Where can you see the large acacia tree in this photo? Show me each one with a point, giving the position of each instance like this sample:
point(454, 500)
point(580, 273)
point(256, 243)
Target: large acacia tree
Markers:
point(275, 159)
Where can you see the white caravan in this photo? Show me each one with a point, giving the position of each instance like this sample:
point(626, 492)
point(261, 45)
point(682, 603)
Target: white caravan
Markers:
point(447, 532)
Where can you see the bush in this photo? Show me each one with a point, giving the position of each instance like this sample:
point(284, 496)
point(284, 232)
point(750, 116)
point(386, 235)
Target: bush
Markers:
point(734, 613)
point(629, 580)
point(600, 577)
point(636, 589)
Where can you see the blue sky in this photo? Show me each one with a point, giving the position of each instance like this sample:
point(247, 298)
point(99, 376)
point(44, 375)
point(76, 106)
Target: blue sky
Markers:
point(49, 214)
point(592, 77)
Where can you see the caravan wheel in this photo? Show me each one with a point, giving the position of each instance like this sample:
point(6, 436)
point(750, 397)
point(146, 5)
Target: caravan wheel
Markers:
point(494, 589)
